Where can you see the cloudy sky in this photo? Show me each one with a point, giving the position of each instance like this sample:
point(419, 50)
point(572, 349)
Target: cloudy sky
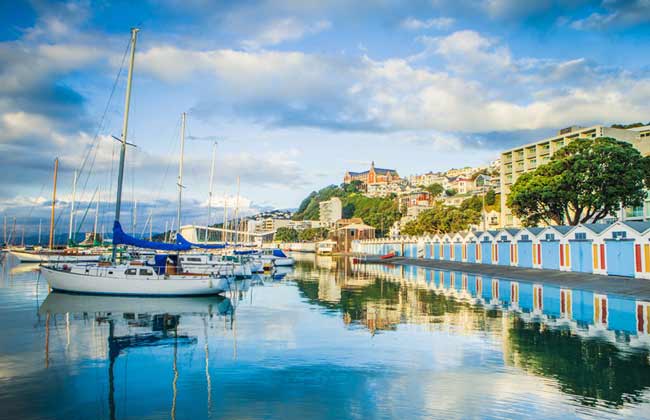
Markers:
point(296, 92)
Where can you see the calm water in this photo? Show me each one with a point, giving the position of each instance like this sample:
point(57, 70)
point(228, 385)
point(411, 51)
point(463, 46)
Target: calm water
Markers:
point(329, 340)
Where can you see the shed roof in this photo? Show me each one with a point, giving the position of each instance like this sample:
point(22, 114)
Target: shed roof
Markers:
point(640, 227)
point(596, 227)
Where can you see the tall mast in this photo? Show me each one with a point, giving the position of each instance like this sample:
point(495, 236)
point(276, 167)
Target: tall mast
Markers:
point(4, 231)
point(40, 223)
point(180, 174)
point(150, 224)
point(224, 225)
point(134, 216)
point(56, 171)
point(96, 217)
point(236, 223)
point(125, 127)
point(74, 193)
point(214, 154)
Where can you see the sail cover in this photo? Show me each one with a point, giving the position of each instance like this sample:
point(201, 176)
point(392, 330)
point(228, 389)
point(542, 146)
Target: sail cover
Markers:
point(119, 237)
point(182, 241)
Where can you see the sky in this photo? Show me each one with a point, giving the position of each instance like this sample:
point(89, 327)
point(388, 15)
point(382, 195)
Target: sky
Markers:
point(295, 92)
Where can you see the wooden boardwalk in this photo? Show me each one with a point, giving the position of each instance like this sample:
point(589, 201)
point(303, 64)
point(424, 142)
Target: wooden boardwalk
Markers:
point(622, 286)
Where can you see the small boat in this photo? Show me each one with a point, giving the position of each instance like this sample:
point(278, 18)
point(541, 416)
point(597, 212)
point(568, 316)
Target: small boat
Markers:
point(277, 257)
point(216, 264)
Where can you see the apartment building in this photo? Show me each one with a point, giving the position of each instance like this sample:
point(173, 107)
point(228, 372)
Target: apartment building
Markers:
point(331, 211)
point(526, 158)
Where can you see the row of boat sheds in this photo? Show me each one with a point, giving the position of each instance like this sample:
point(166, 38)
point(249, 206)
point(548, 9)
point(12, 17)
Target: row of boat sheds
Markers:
point(620, 248)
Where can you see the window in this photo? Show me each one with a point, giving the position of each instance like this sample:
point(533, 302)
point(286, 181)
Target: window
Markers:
point(130, 271)
point(504, 238)
point(619, 235)
point(194, 259)
point(550, 236)
point(581, 236)
point(145, 272)
point(524, 237)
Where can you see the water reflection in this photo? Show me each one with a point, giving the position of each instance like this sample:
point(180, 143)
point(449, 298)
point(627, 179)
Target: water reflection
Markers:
point(329, 339)
point(144, 322)
point(596, 346)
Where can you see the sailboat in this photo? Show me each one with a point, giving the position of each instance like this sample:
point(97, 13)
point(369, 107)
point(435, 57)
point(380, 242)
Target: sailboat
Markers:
point(164, 276)
point(69, 255)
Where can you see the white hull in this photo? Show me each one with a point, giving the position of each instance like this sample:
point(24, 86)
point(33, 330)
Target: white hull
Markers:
point(158, 286)
point(23, 256)
point(283, 262)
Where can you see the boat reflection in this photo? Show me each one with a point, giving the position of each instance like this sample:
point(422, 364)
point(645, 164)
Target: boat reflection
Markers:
point(24, 268)
point(595, 346)
point(155, 320)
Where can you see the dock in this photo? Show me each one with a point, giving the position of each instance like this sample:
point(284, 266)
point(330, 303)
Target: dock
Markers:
point(622, 286)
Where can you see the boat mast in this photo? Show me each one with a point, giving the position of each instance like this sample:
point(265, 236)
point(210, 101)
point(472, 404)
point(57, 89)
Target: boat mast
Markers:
point(96, 218)
point(150, 224)
point(180, 174)
point(236, 222)
point(125, 126)
point(56, 171)
point(74, 192)
point(40, 223)
point(224, 225)
point(214, 153)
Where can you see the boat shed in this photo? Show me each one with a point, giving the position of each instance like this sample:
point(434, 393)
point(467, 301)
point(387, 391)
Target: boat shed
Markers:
point(627, 250)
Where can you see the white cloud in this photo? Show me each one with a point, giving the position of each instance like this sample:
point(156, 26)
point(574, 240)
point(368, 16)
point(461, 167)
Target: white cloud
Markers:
point(616, 14)
point(396, 95)
point(435, 23)
point(470, 52)
point(282, 30)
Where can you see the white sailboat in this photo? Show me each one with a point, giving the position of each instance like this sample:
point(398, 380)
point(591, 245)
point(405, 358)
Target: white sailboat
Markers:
point(69, 255)
point(165, 277)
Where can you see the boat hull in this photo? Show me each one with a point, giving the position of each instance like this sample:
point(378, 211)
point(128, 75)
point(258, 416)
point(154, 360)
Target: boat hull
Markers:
point(64, 281)
point(62, 258)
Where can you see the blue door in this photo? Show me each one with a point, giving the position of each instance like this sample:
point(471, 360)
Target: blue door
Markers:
point(458, 252)
point(581, 256)
point(504, 253)
point(447, 252)
point(486, 252)
point(620, 257)
point(550, 255)
point(525, 257)
point(471, 252)
point(436, 251)
point(427, 251)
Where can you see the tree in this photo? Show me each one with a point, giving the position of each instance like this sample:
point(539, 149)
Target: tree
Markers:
point(435, 190)
point(451, 192)
point(312, 234)
point(490, 197)
point(442, 219)
point(583, 182)
point(286, 234)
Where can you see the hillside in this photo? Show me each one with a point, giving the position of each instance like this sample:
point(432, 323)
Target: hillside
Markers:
point(379, 213)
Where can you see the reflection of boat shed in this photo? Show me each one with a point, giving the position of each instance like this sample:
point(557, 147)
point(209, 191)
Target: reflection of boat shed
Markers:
point(352, 232)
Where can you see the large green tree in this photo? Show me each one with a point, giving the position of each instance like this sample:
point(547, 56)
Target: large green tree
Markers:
point(444, 219)
point(286, 234)
point(583, 182)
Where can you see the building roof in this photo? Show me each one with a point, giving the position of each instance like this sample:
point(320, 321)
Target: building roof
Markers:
point(512, 231)
point(640, 227)
point(535, 230)
point(357, 226)
point(563, 229)
point(596, 227)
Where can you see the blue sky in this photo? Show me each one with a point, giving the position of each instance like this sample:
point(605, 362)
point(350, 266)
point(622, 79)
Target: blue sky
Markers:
point(298, 91)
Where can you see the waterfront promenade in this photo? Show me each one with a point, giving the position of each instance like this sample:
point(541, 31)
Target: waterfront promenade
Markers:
point(622, 286)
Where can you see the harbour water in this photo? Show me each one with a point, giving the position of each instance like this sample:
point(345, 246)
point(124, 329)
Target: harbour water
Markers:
point(326, 340)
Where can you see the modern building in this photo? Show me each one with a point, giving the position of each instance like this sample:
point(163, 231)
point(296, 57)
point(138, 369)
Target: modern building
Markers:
point(372, 176)
point(331, 211)
point(526, 158)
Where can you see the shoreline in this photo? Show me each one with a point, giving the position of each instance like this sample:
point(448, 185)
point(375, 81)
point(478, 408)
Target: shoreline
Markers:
point(610, 285)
